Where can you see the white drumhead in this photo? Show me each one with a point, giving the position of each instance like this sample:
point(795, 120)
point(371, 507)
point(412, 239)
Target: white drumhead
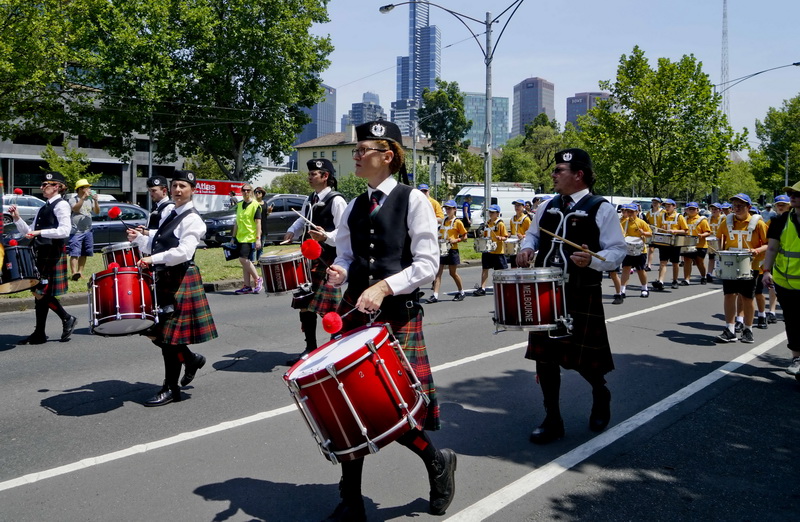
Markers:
point(336, 351)
point(634, 240)
point(280, 258)
point(117, 246)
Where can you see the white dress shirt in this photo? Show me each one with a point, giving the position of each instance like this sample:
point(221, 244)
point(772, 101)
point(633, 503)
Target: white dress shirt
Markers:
point(422, 229)
point(189, 231)
point(63, 215)
point(612, 242)
point(338, 205)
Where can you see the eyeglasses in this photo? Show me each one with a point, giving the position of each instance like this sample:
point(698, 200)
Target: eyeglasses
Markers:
point(361, 151)
point(559, 170)
point(46, 184)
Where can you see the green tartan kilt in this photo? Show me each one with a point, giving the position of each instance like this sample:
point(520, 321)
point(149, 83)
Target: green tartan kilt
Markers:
point(52, 266)
point(192, 322)
point(326, 297)
point(408, 331)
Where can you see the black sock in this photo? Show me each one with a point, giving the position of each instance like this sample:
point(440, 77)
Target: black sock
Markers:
point(419, 442)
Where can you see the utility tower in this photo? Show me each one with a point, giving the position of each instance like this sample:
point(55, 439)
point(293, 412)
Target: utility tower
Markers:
point(726, 104)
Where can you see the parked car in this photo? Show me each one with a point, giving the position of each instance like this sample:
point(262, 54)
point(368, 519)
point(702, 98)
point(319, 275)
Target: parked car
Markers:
point(107, 231)
point(28, 206)
point(219, 224)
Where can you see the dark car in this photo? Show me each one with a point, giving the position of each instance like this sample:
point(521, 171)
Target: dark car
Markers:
point(219, 224)
point(107, 231)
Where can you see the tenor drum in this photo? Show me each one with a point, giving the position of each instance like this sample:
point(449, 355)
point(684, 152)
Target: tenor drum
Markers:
point(122, 301)
point(124, 254)
point(511, 246)
point(663, 239)
point(19, 270)
point(734, 264)
point(357, 393)
point(529, 298)
point(635, 245)
point(444, 247)
point(484, 244)
point(284, 272)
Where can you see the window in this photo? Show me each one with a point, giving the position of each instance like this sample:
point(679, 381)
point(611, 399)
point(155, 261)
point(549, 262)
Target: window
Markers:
point(333, 155)
point(322, 154)
point(315, 154)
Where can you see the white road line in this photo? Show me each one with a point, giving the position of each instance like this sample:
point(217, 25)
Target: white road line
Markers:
point(493, 503)
point(183, 437)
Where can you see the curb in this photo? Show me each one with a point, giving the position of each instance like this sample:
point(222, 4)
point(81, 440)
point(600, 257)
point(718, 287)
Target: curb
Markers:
point(20, 305)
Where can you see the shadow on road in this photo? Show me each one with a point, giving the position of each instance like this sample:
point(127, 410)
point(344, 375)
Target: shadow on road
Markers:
point(99, 397)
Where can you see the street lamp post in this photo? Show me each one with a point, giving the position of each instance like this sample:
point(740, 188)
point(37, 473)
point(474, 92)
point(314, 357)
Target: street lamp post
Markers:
point(488, 55)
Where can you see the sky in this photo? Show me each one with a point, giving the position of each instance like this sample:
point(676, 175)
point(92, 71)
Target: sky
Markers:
point(574, 45)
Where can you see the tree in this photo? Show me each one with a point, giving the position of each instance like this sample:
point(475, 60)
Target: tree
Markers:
point(291, 183)
point(351, 186)
point(516, 164)
point(662, 127)
point(205, 167)
point(442, 119)
point(72, 165)
point(779, 133)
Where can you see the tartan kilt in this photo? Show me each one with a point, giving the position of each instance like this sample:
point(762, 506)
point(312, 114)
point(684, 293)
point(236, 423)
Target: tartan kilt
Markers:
point(587, 349)
point(192, 322)
point(326, 297)
point(52, 266)
point(408, 331)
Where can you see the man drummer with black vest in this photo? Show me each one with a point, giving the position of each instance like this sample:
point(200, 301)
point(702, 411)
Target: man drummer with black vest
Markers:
point(387, 248)
point(592, 222)
point(184, 315)
point(324, 209)
point(51, 228)
point(158, 188)
point(742, 232)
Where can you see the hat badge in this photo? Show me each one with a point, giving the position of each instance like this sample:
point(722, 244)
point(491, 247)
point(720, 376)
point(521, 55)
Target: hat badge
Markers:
point(567, 156)
point(48, 176)
point(318, 164)
point(190, 176)
point(156, 182)
point(378, 130)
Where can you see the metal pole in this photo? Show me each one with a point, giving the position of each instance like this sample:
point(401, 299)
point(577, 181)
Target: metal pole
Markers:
point(487, 147)
point(414, 155)
point(786, 174)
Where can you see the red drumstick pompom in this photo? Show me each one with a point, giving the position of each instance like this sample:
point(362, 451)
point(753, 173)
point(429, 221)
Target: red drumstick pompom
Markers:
point(311, 249)
point(18, 191)
point(332, 322)
point(113, 265)
point(114, 212)
point(12, 242)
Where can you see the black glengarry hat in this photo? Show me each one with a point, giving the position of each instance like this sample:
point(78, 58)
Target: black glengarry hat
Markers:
point(383, 130)
point(577, 158)
point(54, 176)
point(321, 164)
point(185, 175)
point(157, 181)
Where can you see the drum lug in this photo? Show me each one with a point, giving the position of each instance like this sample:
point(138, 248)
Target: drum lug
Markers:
point(373, 448)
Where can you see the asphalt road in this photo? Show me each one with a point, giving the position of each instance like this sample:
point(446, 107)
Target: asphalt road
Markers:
point(700, 431)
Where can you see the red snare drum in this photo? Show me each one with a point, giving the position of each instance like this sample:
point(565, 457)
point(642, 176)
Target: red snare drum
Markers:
point(19, 270)
point(284, 272)
point(124, 254)
point(122, 301)
point(357, 393)
point(529, 298)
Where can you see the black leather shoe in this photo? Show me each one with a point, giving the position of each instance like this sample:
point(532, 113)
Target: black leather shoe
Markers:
point(34, 338)
point(548, 432)
point(69, 325)
point(443, 483)
point(601, 410)
point(348, 511)
point(164, 397)
point(191, 369)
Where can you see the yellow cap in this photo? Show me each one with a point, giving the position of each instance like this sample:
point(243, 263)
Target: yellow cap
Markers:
point(793, 188)
point(82, 183)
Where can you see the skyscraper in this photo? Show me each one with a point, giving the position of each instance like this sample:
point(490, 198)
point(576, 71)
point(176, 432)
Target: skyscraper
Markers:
point(323, 117)
point(475, 110)
point(532, 97)
point(419, 69)
point(580, 104)
point(369, 109)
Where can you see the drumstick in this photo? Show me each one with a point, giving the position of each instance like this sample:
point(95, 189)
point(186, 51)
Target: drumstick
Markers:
point(575, 245)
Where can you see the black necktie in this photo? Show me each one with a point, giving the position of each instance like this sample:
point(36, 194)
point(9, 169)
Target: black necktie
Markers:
point(375, 205)
point(172, 215)
point(567, 202)
point(314, 199)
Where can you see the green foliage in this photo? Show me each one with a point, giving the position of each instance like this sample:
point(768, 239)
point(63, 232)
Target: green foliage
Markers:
point(442, 118)
point(738, 177)
point(291, 183)
point(466, 168)
point(779, 133)
point(662, 129)
point(72, 164)
point(204, 167)
point(351, 186)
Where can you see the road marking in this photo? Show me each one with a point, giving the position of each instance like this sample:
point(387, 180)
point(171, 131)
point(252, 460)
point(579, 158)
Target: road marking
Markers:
point(493, 503)
point(183, 437)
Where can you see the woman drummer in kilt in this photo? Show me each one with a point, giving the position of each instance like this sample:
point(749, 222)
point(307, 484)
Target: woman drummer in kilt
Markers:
point(387, 248)
point(50, 231)
point(184, 315)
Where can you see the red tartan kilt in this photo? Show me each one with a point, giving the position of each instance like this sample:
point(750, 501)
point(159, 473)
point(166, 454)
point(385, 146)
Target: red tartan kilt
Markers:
point(192, 322)
point(408, 332)
point(326, 297)
point(53, 268)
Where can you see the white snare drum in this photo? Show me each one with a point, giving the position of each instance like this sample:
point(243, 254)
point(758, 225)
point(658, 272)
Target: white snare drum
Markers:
point(512, 246)
point(635, 245)
point(529, 298)
point(686, 241)
point(734, 264)
point(357, 393)
point(484, 244)
point(444, 247)
point(663, 238)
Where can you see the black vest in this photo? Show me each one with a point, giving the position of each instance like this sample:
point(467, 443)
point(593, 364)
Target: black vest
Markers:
point(155, 215)
point(165, 237)
point(322, 216)
point(580, 229)
point(381, 245)
point(46, 218)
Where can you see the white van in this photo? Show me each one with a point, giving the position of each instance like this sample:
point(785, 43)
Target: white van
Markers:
point(503, 194)
point(617, 201)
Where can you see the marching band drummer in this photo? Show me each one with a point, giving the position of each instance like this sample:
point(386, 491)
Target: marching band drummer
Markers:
point(158, 189)
point(633, 226)
point(672, 222)
point(324, 208)
point(700, 227)
point(184, 316)
point(591, 222)
point(518, 225)
point(386, 250)
point(495, 230)
point(51, 228)
point(453, 232)
point(714, 220)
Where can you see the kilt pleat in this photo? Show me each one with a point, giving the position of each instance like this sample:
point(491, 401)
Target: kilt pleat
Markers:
point(192, 322)
point(326, 297)
point(52, 266)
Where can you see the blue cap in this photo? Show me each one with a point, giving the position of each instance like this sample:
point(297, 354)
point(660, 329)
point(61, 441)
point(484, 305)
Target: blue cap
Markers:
point(423, 186)
point(450, 203)
point(630, 206)
point(656, 199)
point(669, 201)
point(494, 208)
point(742, 197)
point(519, 202)
point(692, 204)
point(545, 197)
point(716, 204)
point(726, 205)
point(782, 199)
